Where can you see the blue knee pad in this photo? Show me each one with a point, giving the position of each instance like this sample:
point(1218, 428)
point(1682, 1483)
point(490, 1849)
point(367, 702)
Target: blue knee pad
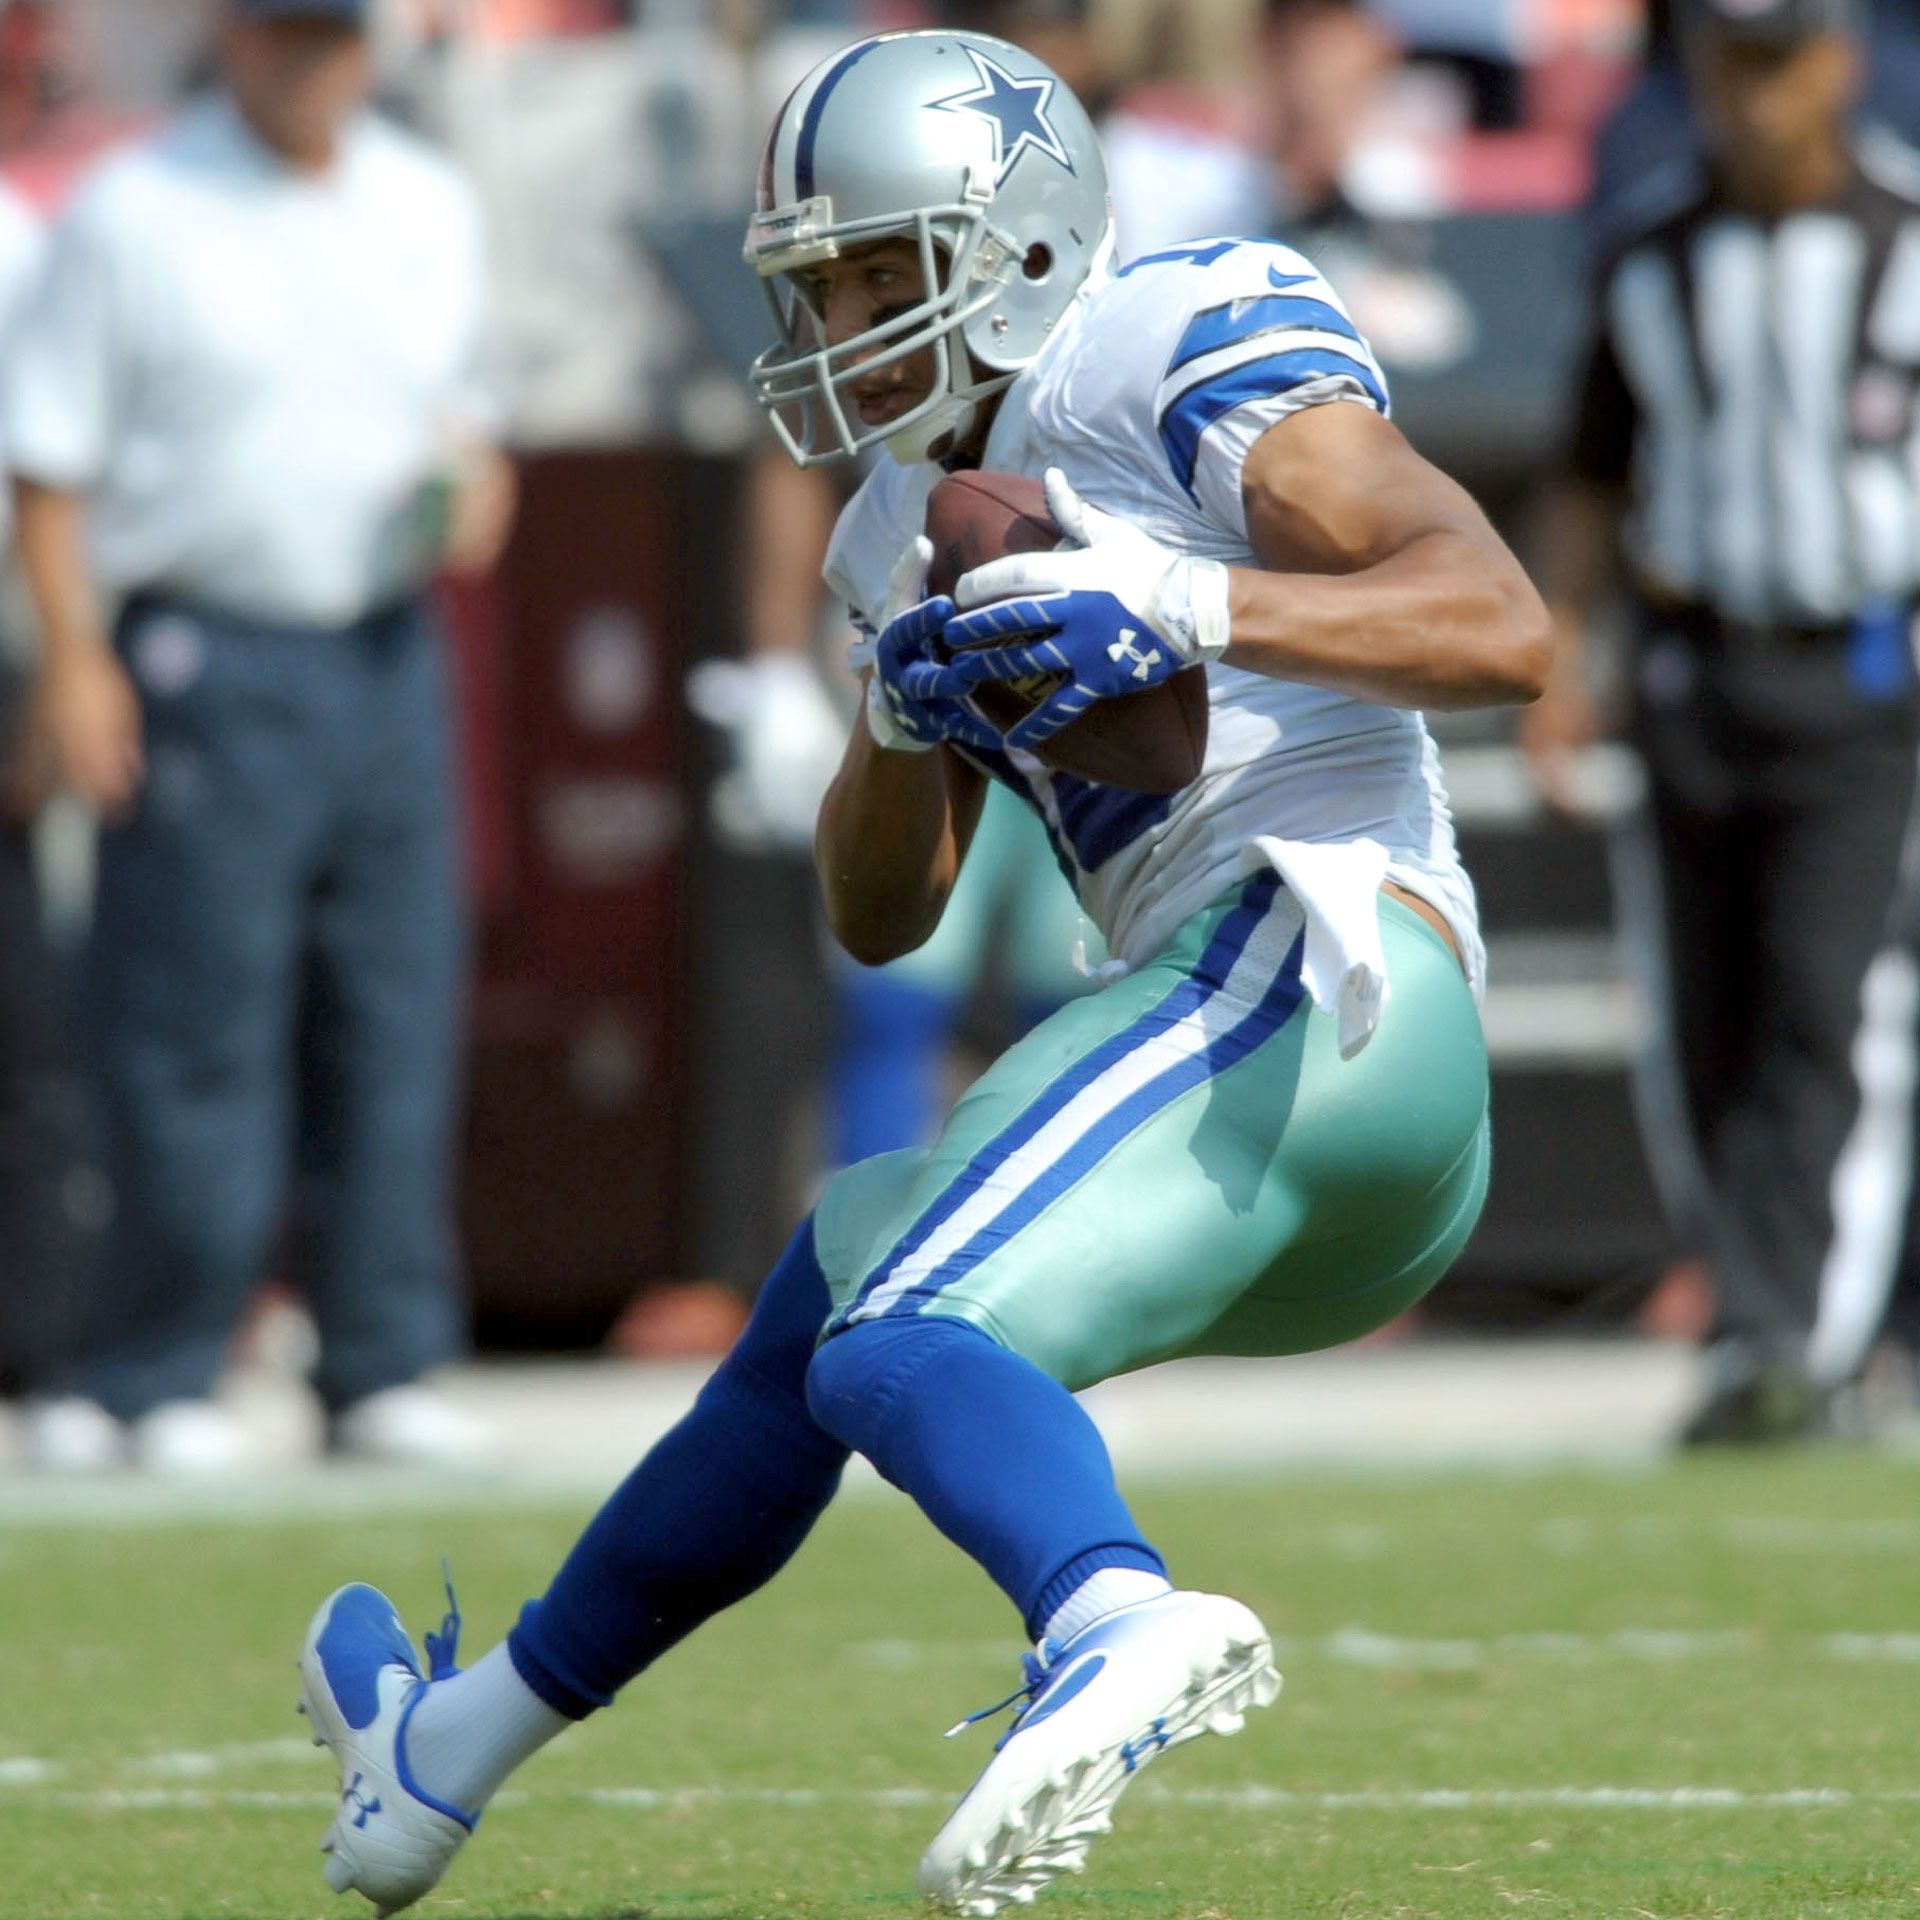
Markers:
point(1001, 1458)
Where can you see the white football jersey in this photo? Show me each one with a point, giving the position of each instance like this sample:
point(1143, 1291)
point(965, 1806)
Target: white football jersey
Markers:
point(1149, 397)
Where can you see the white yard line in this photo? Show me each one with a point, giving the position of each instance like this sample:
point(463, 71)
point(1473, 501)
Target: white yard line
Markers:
point(190, 1765)
point(1898, 1648)
point(176, 1799)
point(1791, 1533)
point(1798, 1533)
point(1359, 1646)
point(1488, 1799)
point(1250, 1799)
point(31, 1778)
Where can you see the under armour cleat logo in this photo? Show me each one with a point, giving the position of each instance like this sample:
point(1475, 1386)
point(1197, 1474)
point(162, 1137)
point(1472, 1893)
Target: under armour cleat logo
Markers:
point(1124, 649)
point(350, 1795)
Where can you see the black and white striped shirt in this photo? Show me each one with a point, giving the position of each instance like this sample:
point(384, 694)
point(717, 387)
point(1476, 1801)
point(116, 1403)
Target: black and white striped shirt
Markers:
point(1754, 382)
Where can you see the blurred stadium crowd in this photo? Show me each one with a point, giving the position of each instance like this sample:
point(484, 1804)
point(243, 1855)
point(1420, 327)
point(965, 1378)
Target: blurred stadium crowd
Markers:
point(648, 691)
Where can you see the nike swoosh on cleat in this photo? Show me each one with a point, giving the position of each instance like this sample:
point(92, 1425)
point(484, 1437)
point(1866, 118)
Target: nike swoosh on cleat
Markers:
point(1070, 1685)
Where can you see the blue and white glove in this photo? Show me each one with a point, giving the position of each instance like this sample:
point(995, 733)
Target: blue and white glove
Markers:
point(1115, 613)
point(910, 709)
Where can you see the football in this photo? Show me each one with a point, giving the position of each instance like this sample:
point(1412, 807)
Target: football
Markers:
point(1152, 742)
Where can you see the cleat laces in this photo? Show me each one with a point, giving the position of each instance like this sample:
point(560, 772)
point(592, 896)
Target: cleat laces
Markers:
point(1038, 1668)
point(443, 1648)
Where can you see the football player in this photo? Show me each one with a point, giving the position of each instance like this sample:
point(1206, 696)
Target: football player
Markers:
point(1267, 1134)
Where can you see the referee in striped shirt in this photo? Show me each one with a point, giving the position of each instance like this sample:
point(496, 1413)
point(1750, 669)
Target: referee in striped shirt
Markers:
point(1748, 440)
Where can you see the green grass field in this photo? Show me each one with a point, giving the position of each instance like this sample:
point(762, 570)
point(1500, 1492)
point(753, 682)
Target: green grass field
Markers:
point(1693, 1693)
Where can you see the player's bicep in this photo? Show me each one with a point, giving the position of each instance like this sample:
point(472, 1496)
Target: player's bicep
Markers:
point(1336, 489)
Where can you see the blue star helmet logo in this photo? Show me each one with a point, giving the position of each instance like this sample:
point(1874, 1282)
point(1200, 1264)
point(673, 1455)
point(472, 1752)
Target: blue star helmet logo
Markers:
point(1016, 109)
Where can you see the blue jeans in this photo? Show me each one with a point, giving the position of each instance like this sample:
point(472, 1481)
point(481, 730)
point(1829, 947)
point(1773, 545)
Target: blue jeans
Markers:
point(274, 999)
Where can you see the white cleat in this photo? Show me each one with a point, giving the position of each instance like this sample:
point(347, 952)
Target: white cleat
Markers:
point(1138, 1681)
point(359, 1683)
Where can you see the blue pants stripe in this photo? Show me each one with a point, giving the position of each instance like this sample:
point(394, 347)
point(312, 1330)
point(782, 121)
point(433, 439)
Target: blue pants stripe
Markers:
point(1206, 980)
point(1275, 1009)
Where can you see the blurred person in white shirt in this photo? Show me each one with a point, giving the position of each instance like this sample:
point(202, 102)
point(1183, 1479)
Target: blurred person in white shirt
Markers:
point(38, 1117)
point(22, 253)
point(247, 407)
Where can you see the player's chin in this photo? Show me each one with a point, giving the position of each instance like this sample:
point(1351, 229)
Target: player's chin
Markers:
point(884, 409)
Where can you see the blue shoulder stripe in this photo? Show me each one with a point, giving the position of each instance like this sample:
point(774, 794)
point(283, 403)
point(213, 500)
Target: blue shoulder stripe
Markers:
point(1199, 255)
point(1242, 320)
point(1184, 419)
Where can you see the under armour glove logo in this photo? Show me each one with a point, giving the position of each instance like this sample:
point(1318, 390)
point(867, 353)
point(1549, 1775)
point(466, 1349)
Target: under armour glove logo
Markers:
point(1079, 611)
point(1124, 649)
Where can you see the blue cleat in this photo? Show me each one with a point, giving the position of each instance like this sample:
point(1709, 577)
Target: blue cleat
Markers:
point(1118, 1694)
point(359, 1684)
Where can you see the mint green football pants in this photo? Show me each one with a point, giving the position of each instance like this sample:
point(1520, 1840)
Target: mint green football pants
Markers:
point(1182, 1163)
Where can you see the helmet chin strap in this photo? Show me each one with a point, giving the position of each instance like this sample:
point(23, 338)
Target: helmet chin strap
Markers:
point(937, 433)
point(948, 424)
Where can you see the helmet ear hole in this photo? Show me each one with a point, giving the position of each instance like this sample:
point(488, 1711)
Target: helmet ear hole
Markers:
point(1039, 261)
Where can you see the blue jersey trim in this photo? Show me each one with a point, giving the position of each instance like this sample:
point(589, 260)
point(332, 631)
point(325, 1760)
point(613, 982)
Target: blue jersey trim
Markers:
point(1200, 254)
point(1101, 821)
point(1185, 419)
point(1209, 975)
point(1238, 321)
point(1000, 767)
point(1095, 821)
point(810, 124)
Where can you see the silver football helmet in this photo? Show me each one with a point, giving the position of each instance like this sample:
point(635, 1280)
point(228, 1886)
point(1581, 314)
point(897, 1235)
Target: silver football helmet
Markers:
point(979, 154)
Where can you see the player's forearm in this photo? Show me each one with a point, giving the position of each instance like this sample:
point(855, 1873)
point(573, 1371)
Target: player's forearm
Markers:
point(1448, 621)
point(893, 829)
point(51, 528)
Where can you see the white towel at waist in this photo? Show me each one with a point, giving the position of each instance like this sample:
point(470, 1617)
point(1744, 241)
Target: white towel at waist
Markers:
point(1344, 964)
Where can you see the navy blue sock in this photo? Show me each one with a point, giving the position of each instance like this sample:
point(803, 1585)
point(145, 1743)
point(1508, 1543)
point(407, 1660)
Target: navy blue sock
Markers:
point(717, 1508)
point(998, 1456)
